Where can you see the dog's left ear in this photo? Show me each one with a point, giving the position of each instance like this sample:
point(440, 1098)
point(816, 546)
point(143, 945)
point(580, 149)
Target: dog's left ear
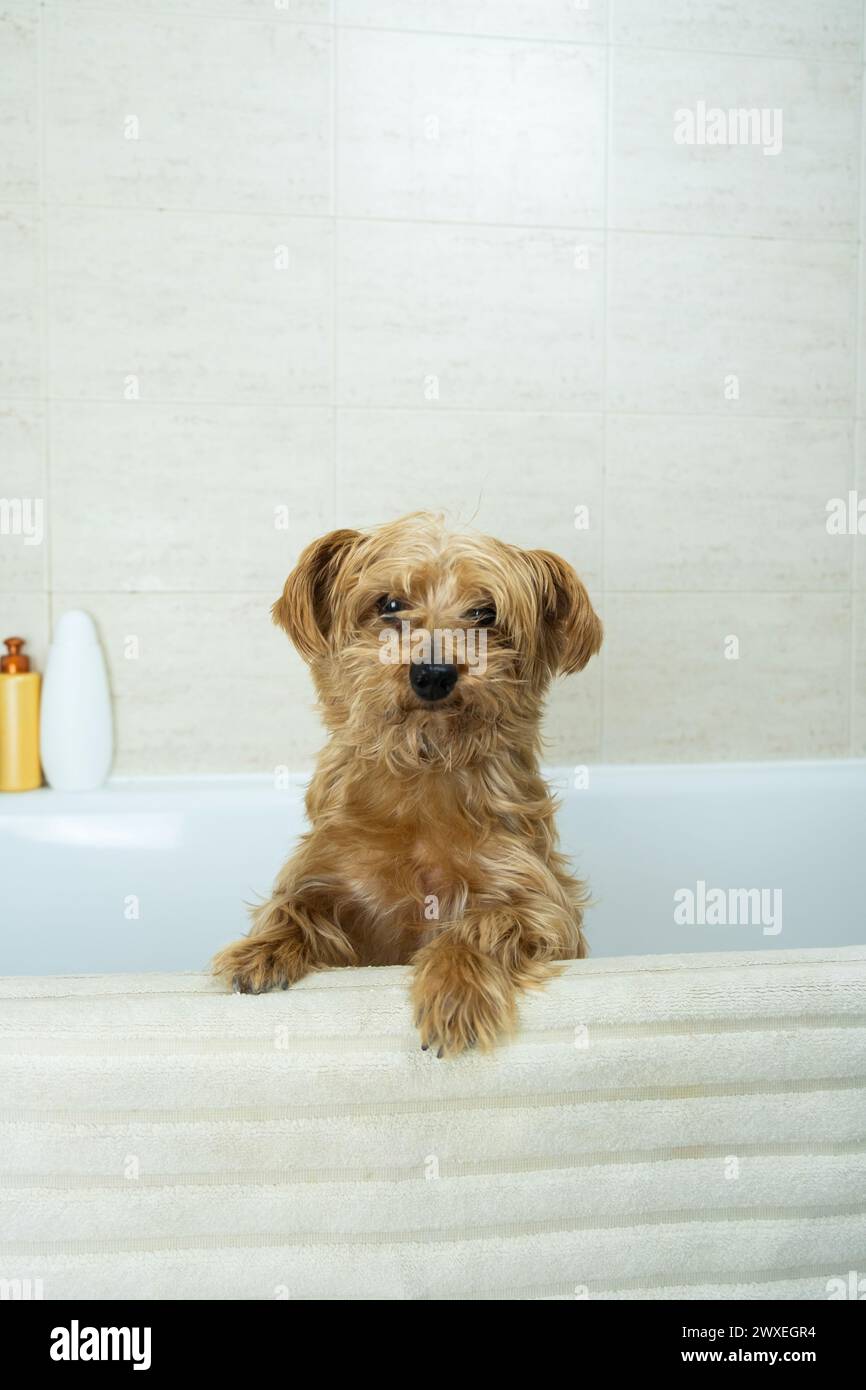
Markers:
point(570, 628)
point(305, 610)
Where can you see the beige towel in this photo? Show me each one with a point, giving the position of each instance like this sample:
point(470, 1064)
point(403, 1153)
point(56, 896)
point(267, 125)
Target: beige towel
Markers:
point(663, 1127)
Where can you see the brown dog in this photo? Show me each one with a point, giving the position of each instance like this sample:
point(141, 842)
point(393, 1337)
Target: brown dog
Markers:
point(433, 838)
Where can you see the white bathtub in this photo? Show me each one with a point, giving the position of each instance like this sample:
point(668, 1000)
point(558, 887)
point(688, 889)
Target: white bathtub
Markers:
point(152, 874)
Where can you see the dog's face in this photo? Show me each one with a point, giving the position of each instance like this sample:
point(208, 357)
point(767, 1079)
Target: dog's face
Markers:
point(429, 648)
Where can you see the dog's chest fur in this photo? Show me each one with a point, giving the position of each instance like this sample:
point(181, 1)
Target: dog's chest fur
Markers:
point(410, 869)
point(418, 876)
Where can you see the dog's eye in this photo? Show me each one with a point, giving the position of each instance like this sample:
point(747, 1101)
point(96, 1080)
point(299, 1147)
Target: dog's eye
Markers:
point(390, 607)
point(481, 617)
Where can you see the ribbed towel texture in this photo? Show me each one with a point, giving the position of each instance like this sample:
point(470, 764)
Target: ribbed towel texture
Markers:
point(663, 1127)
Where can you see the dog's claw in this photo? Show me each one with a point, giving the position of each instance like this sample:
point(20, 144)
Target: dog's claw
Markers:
point(438, 1049)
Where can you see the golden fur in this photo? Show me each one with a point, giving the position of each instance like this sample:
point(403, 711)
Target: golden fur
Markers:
point(433, 838)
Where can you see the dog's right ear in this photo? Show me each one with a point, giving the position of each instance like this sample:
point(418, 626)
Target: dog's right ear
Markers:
point(306, 608)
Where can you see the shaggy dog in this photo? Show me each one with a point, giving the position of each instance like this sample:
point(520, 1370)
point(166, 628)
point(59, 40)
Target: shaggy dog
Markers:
point(433, 838)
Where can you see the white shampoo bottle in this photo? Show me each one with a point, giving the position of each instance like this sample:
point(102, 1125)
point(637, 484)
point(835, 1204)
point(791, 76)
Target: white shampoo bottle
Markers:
point(75, 733)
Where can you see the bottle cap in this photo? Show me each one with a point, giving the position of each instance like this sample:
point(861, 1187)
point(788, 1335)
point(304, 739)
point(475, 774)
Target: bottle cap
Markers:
point(14, 662)
point(75, 627)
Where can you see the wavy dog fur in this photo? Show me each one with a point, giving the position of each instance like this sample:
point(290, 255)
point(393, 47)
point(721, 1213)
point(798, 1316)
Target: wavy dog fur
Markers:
point(421, 810)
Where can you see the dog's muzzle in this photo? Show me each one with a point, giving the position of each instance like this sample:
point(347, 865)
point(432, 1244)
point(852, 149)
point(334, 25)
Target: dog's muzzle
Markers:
point(432, 682)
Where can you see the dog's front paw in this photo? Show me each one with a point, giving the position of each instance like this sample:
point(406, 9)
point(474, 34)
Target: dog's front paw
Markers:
point(461, 998)
point(254, 965)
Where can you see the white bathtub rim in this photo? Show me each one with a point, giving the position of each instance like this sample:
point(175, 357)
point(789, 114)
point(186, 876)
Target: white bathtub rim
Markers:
point(559, 777)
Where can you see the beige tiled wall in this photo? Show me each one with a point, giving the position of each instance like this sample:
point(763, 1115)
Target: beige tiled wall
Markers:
point(367, 256)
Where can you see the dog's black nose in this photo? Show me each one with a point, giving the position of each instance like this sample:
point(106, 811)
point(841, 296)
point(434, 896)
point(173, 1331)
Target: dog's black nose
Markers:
point(432, 682)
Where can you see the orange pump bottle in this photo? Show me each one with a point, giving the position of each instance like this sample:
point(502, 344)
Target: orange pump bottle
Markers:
point(20, 770)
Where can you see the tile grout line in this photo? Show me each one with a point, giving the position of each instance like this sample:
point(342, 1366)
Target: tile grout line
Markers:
point(858, 388)
point(335, 316)
point(44, 352)
point(577, 412)
point(605, 393)
point(93, 6)
point(731, 595)
point(288, 214)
